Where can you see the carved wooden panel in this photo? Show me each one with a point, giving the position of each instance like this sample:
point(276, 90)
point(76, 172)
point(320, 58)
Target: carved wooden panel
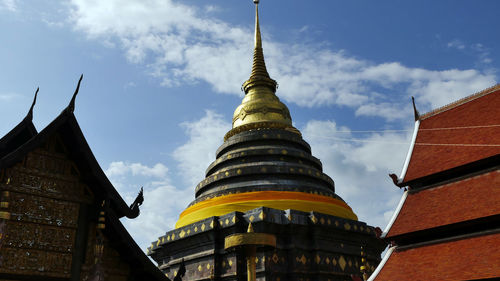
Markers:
point(36, 236)
point(35, 262)
point(115, 268)
point(37, 183)
point(42, 210)
point(45, 195)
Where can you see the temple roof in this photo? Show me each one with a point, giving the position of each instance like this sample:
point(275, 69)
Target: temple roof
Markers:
point(20, 134)
point(26, 139)
point(67, 126)
point(460, 258)
point(142, 268)
point(460, 201)
point(461, 133)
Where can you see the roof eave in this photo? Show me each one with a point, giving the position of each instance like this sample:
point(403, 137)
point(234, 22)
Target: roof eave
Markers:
point(395, 215)
point(382, 263)
point(409, 154)
point(82, 150)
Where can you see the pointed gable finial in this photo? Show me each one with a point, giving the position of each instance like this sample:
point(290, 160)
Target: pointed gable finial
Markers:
point(30, 112)
point(71, 106)
point(415, 111)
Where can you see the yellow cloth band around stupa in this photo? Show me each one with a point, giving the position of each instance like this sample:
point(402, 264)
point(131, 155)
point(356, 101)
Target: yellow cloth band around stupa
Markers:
point(281, 200)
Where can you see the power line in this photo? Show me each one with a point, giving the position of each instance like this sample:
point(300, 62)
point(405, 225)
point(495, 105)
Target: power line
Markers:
point(430, 129)
point(407, 143)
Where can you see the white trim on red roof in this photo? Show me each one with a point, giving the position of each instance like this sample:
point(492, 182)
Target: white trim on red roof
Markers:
point(410, 151)
point(382, 263)
point(395, 214)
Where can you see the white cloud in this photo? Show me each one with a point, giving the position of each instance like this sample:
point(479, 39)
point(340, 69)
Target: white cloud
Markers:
point(163, 202)
point(185, 44)
point(387, 110)
point(8, 97)
point(456, 44)
point(205, 136)
point(483, 53)
point(359, 164)
point(477, 49)
point(9, 5)
point(120, 168)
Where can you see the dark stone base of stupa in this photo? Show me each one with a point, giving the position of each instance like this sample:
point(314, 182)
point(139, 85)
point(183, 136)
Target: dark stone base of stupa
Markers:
point(310, 246)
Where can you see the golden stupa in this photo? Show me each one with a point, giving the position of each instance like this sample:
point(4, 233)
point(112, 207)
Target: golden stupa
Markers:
point(263, 162)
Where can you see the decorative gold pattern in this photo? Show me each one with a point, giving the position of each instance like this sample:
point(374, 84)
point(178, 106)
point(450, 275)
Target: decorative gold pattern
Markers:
point(342, 262)
point(314, 219)
point(302, 259)
point(260, 108)
point(275, 258)
point(262, 215)
point(347, 226)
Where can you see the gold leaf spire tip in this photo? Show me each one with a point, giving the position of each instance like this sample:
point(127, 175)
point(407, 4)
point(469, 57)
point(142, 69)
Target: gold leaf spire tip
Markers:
point(260, 108)
point(258, 40)
point(259, 75)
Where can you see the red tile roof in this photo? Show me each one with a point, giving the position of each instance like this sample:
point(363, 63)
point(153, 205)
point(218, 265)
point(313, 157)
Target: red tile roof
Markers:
point(463, 200)
point(465, 259)
point(482, 109)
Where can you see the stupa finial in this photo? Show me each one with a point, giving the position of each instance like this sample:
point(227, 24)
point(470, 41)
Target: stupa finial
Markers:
point(258, 40)
point(260, 108)
point(259, 75)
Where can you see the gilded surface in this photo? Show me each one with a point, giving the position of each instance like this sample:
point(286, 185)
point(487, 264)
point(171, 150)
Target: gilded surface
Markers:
point(260, 105)
point(242, 239)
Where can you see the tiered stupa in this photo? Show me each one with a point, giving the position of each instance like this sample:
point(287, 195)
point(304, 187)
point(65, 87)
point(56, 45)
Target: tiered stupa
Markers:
point(265, 174)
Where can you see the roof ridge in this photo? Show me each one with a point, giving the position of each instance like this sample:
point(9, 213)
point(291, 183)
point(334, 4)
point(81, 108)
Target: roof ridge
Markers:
point(460, 101)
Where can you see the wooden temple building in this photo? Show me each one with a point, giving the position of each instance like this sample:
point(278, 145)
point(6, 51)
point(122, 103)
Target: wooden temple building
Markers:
point(59, 214)
point(266, 210)
point(447, 225)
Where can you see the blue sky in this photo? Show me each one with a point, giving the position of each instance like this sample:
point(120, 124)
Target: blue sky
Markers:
point(162, 79)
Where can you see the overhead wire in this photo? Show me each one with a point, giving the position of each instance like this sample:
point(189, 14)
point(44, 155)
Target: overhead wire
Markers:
point(417, 143)
point(408, 130)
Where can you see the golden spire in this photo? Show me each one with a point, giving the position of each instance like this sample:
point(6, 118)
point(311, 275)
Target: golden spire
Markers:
point(260, 108)
point(259, 75)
